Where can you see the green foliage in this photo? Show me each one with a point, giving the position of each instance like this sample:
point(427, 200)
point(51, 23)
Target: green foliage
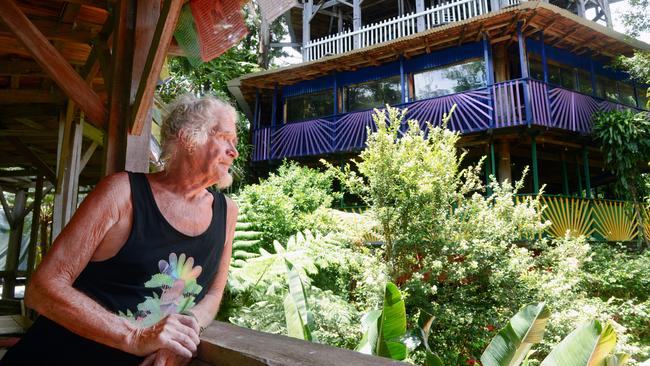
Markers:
point(512, 344)
point(293, 199)
point(590, 344)
point(624, 138)
point(300, 320)
point(385, 328)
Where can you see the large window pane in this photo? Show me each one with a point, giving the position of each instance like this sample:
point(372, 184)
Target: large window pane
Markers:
point(568, 78)
point(626, 94)
point(309, 106)
point(536, 69)
point(373, 94)
point(584, 81)
point(449, 79)
point(606, 88)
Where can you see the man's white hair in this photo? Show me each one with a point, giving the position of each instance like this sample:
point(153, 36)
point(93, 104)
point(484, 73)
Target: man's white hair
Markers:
point(191, 120)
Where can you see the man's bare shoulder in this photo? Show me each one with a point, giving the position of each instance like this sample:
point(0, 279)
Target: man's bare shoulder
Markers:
point(113, 191)
point(231, 206)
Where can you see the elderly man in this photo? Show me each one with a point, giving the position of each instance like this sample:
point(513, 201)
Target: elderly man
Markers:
point(141, 268)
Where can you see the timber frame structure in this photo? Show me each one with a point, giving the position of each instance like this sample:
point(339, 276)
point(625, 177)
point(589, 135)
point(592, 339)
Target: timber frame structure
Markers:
point(77, 79)
point(546, 72)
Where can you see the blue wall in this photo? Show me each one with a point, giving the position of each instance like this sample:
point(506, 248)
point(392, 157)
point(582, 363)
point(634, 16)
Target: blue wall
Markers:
point(426, 61)
point(568, 58)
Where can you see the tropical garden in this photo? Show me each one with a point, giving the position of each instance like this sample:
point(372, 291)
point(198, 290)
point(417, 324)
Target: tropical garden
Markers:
point(439, 268)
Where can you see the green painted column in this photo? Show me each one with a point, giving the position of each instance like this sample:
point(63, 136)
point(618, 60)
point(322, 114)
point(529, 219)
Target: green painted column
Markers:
point(579, 177)
point(533, 148)
point(585, 163)
point(488, 172)
point(492, 159)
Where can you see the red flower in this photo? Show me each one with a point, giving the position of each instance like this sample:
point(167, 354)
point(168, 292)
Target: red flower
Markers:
point(472, 361)
point(490, 328)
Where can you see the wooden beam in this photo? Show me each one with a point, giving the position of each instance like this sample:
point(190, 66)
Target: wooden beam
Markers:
point(34, 158)
point(36, 220)
point(119, 97)
point(13, 247)
point(155, 59)
point(52, 62)
point(20, 67)
point(58, 31)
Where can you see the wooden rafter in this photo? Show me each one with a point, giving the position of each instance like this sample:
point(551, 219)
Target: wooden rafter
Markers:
point(52, 62)
point(155, 59)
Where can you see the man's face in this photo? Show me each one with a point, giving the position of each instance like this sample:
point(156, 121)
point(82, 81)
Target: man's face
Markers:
point(215, 157)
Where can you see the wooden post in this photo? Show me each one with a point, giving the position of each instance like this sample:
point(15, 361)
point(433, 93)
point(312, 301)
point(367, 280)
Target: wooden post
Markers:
point(533, 148)
point(585, 163)
point(68, 169)
point(306, 28)
point(580, 5)
point(608, 13)
point(36, 220)
point(419, 8)
point(137, 146)
point(544, 59)
point(356, 21)
point(13, 247)
point(505, 168)
point(120, 93)
point(523, 60)
point(335, 89)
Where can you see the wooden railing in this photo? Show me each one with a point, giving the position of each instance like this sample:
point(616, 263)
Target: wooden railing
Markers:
point(225, 344)
point(503, 105)
point(396, 27)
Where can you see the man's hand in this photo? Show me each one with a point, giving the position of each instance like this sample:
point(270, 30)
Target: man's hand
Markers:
point(165, 357)
point(176, 333)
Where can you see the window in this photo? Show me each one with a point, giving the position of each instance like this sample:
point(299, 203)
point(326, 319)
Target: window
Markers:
point(310, 106)
point(606, 88)
point(568, 78)
point(626, 94)
point(536, 69)
point(584, 82)
point(449, 79)
point(642, 94)
point(372, 94)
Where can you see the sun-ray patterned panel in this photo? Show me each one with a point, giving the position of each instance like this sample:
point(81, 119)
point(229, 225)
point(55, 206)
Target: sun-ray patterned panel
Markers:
point(472, 113)
point(261, 144)
point(613, 221)
point(303, 138)
point(352, 130)
point(572, 111)
point(646, 226)
point(607, 106)
point(568, 215)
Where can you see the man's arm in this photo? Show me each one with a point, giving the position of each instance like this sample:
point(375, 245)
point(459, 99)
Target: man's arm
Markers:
point(207, 308)
point(50, 291)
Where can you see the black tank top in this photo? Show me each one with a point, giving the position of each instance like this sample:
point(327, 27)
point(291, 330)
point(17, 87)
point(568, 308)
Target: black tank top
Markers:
point(158, 271)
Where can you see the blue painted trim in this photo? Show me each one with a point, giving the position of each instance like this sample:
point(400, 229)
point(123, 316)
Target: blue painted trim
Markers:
point(522, 52)
point(256, 114)
point(544, 59)
point(523, 61)
point(274, 106)
point(336, 93)
point(592, 72)
point(402, 80)
point(309, 86)
point(370, 73)
point(636, 94)
point(487, 56)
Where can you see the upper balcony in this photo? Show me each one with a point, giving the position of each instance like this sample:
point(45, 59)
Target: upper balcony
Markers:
point(367, 24)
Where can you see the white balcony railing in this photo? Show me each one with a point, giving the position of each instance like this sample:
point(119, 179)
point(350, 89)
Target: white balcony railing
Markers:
point(397, 27)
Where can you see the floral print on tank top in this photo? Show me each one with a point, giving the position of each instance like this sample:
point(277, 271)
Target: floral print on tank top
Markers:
point(177, 279)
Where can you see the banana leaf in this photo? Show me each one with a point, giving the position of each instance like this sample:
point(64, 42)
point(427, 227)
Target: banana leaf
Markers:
point(511, 345)
point(588, 345)
point(384, 329)
point(299, 319)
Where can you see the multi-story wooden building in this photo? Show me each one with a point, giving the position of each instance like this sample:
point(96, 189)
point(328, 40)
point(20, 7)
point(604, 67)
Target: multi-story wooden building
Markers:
point(526, 78)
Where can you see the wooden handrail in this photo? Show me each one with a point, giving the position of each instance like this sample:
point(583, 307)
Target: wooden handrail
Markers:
point(225, 344)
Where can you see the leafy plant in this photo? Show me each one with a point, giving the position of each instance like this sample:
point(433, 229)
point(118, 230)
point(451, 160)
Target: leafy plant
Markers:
point(385, 328)
point(300, 320)
point(624, 137)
